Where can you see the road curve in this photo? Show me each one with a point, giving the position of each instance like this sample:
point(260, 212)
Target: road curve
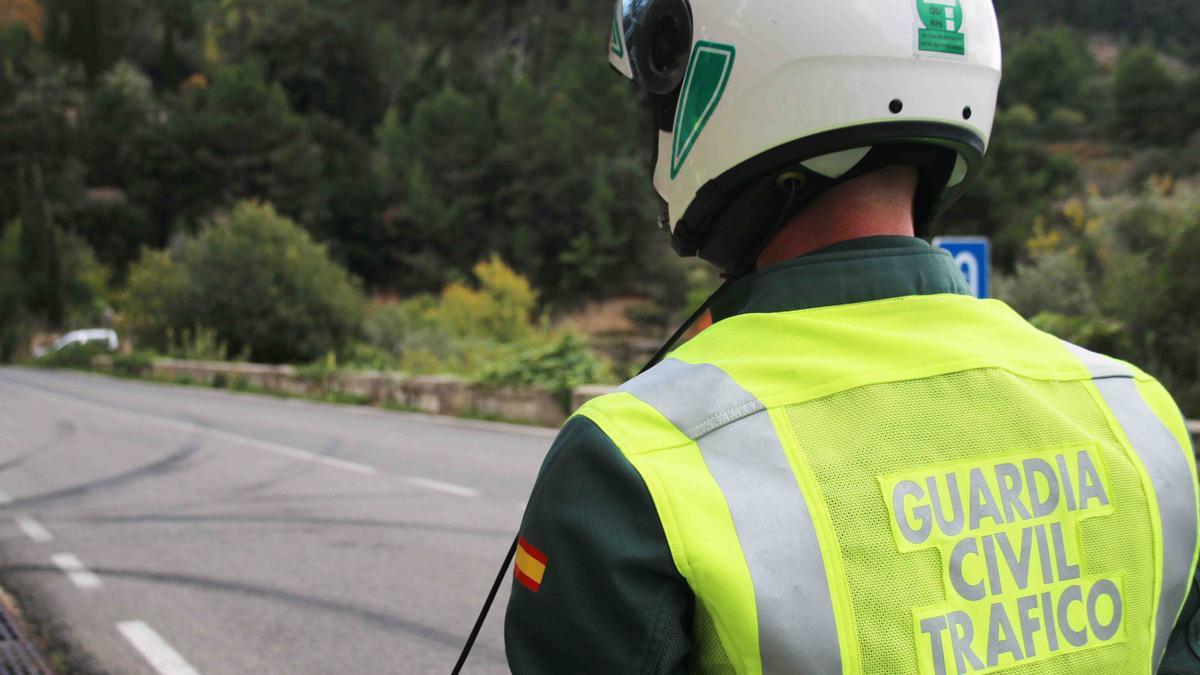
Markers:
point(180, 530)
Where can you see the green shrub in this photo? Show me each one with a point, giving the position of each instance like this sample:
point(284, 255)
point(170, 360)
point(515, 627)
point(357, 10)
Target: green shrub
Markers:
point(321, 369)
point(198, 343)
point(1146, 96)
point(134, 364)
point(500, 309)
point(363, 356)
point(1118, 275)
point(72, 356)
point(1065, 123)
point(256, 280)
point(400, 327)
point(1100, 333)
point(558, 366)
point(1055, 281)
point(463, 329)
point(153, 300)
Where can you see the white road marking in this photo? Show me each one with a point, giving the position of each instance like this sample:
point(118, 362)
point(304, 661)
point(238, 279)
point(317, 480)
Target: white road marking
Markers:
point(439, 486)
point(76, 572)
point(4, 498)
point(34, 530)
point(276, 448)
point(284, 450)
point(161, 655)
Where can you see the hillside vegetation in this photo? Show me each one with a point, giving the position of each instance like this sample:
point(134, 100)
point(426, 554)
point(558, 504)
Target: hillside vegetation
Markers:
point(407, 143)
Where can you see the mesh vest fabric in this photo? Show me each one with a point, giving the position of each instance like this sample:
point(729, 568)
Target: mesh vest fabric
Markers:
point(858, 393)
point(849, 439)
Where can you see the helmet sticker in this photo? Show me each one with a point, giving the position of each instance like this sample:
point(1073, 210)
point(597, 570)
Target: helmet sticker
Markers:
point(707, 74)
point(940, 27)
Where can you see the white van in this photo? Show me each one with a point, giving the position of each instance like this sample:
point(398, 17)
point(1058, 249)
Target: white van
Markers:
point(105, 336)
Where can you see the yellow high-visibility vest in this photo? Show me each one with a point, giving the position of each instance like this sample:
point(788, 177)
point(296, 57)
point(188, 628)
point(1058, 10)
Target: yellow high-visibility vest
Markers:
point(920, 484)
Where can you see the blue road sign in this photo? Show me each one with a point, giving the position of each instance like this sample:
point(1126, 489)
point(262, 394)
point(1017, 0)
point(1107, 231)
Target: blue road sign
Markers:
point(973, 255)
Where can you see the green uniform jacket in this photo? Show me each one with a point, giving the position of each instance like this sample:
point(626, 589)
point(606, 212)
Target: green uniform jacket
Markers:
point(610, 599)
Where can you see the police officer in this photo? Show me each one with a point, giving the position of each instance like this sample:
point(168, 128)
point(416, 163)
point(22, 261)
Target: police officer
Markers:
point(858, 468)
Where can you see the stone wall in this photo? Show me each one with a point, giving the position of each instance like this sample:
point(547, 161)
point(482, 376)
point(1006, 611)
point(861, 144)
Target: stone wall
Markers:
point(437, 395)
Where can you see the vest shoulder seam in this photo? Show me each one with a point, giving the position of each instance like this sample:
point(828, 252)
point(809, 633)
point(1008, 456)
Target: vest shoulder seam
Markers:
point(723, 417)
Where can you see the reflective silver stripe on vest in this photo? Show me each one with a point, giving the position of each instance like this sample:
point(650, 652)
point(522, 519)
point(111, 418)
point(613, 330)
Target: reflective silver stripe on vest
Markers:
point(1170, 474)
point(796, 627)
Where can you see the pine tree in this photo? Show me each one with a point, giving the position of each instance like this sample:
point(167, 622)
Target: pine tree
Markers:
point(40, 266)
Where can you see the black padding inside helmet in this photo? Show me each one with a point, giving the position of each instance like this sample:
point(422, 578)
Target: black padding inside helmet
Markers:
point(724, 223)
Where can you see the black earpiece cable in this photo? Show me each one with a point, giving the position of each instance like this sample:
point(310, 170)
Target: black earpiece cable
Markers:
point(741, 271)
point(736, 275)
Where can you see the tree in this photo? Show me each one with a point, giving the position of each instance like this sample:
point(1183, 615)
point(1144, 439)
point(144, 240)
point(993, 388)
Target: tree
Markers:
point(576, 196)
point(12, 308)
point(1046, 69)
point(237, 139)
point(348, 191)
point(438, 185)
point(1019, 181)
point(1169, 23)
point(1146, 98)
point(322, 56)
point(1189, 104)
point(122, 104)
point(40, 265)
point(37, 127)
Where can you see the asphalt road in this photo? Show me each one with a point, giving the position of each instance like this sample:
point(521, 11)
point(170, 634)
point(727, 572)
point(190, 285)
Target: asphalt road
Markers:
point(212, 532)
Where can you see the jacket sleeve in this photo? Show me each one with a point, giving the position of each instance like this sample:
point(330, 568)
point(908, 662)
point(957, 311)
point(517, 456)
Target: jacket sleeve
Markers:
point(1183, 648)
point(610, 598)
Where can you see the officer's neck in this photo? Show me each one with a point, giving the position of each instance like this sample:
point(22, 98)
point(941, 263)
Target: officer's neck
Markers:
point(879, 203)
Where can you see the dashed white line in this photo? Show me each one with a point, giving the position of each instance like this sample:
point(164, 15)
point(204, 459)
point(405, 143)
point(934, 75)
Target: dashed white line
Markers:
point(161, 655)
point(284, 450)
point(34, 530)
point(4, 498)
point(439, 486)
point(276, 448)
point(78, 574)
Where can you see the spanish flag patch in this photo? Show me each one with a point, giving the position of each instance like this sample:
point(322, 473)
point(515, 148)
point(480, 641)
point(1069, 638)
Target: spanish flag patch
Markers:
point(531, 565)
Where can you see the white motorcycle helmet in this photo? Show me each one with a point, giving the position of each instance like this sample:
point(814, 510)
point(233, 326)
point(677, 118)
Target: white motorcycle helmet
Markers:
point(753, 95)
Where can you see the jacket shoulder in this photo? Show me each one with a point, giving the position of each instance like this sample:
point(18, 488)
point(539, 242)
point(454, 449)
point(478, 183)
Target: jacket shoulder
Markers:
point(631, 423)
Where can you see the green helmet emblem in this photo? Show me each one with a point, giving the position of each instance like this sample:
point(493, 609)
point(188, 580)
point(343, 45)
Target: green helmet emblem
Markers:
point(707, 74)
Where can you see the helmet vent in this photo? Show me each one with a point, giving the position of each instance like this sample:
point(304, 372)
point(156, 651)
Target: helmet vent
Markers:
point(896, 106)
